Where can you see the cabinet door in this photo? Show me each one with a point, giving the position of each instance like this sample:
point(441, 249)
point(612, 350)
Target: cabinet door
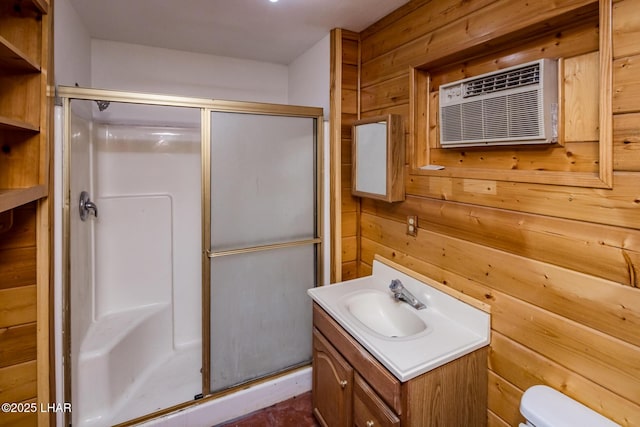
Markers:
point(368, 409)
point(332, 384)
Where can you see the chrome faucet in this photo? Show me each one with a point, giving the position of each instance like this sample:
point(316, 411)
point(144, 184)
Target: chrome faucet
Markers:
point(401, 294)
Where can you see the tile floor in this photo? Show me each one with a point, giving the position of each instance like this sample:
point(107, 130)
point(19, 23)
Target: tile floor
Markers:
point(295, 412)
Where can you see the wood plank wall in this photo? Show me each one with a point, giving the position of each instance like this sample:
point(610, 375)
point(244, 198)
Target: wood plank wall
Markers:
point(344, 111)
point(18, 370)
point(559, 264)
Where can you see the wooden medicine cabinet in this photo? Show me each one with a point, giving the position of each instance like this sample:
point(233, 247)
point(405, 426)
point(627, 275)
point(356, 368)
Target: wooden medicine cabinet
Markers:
point(378, 157)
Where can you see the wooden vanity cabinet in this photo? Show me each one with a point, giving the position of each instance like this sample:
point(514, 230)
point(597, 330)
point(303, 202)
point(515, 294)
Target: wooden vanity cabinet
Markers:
point(351, 388)
point(333, 377)
point(368, 408)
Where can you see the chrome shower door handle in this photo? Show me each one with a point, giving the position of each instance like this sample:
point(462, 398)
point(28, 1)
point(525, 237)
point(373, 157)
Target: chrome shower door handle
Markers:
point(86, 206)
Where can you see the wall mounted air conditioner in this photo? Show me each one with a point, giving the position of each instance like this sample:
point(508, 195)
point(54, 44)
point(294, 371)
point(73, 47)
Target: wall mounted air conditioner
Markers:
point(515, 105)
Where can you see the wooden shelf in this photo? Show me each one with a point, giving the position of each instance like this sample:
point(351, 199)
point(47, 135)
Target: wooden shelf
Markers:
point(12, 198)
point(11, 58)
point(41, 5)
point(26, 49)
point(10, 124)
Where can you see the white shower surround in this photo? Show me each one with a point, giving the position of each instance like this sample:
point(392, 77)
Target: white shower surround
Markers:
point(121, 319)
point(76, 68)
point(137, 320)
point(300, 92)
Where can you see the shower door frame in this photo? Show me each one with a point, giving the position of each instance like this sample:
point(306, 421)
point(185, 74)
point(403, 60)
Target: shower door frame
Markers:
point(207, 106)
point(317, 241)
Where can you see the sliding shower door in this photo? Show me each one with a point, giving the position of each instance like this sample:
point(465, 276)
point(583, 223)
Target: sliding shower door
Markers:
point(265, 244)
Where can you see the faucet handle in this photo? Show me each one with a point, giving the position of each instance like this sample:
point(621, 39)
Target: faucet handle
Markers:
point(396, 285)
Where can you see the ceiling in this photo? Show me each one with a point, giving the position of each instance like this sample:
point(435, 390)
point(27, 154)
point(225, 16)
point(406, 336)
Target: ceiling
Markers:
point(249, 29)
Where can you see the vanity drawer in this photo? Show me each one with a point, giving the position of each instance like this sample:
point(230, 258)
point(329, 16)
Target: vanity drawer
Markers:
point(385, 384)
point(368, 409)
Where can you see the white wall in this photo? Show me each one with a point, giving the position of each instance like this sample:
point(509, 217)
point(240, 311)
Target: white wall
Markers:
point(166, 71)
point(72, 47)
point(309, 77)
point(121, 66)
point(309, 80)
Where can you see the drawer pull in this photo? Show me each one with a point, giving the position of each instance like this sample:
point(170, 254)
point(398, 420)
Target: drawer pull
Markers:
point(343, 383)
point(370, 423)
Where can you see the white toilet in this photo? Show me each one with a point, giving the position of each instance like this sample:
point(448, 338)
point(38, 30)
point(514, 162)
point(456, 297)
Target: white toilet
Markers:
point(543, 406)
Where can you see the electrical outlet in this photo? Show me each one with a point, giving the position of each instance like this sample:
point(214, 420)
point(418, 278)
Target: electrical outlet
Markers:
point(412, 225)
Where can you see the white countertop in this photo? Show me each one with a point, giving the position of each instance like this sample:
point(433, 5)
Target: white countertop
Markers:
point(454, 328)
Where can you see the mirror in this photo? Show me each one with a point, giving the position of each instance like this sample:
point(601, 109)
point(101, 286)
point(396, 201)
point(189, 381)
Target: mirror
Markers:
point(378, 157)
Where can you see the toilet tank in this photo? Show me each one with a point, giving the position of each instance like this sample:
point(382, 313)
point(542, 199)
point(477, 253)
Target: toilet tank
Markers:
point(543, 406)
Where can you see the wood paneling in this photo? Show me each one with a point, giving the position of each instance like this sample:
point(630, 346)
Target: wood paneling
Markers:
point(22, 230)
point(504, 400)
point(612, 253)
point(345, 48)
point(384, 95)
point(349, 224)
point(17, 306)
point(495, 421)
point(519, 365)
point(572, 157)
point(626, 91)
point(18, 312)
point(21, 419)
point(538, 283)
point(626, 142)
point(524, 367)
point(469, 37)
point(413, 25)
point(349, 249)
point(17, 344)
point(580, 98)
point(18, 382)
point(557, 260)
point(626, 29)
point(607, 361)
point(563, 201)
point(17, 267)
point(577, 39)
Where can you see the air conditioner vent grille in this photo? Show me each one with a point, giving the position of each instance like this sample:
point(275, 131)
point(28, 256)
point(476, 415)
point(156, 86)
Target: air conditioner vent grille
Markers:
point(506, 117)
point(512, 106)
point(515, 78)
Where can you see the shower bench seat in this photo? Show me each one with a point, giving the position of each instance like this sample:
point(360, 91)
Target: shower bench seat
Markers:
point(129, 343)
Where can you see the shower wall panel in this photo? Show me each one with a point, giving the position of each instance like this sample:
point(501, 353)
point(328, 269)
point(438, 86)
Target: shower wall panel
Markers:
point(148, 185)
point(135, 276)
point(135, 234)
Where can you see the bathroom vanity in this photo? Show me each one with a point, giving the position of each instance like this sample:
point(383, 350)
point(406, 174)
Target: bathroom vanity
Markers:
point(367, 377)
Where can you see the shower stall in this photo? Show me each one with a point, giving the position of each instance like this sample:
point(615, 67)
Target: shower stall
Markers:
point(192, 229)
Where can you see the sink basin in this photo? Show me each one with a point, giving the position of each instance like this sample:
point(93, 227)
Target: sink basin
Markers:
point(408, 342)
point(382, 314)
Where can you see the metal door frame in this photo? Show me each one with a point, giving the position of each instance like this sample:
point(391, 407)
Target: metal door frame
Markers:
point(206, 106)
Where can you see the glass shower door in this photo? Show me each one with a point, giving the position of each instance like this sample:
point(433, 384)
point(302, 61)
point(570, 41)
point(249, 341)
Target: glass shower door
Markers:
point(265, 244)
